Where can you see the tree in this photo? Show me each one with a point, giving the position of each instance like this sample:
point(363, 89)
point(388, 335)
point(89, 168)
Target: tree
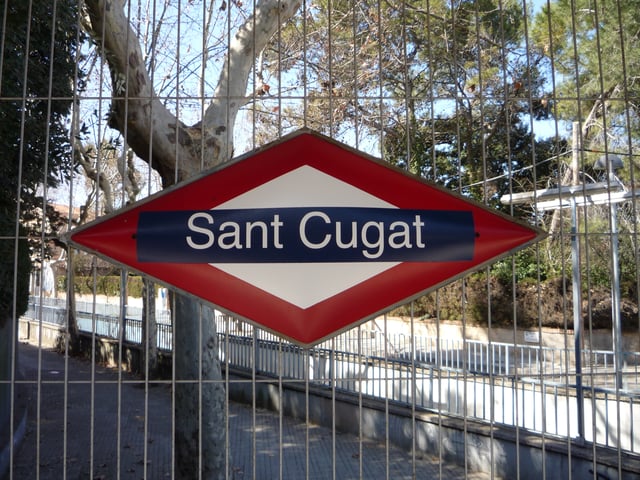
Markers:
point(446, 90)
point(178, 151)
point(450, 91)
point(38, 73)
point(589, 47)
point(39, 44)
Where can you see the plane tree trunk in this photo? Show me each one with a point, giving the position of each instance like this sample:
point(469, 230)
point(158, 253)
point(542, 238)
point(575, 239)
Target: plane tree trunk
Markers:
point(149, 357)
point(178, 151)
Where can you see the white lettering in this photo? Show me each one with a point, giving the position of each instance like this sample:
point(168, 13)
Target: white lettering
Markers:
point(263, 227)
point(418, 223)
point(354, 236)
point(373, 235)
point(204, 231)
point(276, 224)
point(402, 238)
point(303, 228)
point(317, 230)
point(378, 243)
point(231, 235)
point(230, 239)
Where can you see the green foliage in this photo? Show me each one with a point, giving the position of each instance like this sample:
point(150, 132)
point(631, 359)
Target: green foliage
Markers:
point(592, 46)
point(477, 127)
point(35, 140)
point(524, 266)
point(36, 88)
point(108, 285)
point(9, 252)
point(445, 89)
point(597, 261)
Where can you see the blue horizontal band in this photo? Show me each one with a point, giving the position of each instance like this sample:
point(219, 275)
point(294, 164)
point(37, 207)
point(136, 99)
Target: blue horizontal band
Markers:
point(305, 235)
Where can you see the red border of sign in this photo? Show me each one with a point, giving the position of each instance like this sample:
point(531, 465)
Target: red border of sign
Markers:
point(114, 237)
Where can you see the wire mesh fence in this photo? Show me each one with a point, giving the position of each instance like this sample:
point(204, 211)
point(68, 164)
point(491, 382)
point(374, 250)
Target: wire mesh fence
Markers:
point(525, 368)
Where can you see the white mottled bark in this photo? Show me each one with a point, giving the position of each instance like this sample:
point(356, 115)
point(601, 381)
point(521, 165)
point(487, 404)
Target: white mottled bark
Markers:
point(247, 44)
point(154, 133)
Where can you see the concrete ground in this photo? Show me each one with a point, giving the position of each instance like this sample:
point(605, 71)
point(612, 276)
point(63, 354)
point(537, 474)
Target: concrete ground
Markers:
point(86, 421)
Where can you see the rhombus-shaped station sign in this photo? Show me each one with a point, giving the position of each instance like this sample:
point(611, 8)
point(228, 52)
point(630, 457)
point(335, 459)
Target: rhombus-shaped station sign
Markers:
point(305, 237)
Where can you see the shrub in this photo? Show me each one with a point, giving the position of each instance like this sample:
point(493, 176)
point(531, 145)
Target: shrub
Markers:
point(108, 285)
point(8, 272)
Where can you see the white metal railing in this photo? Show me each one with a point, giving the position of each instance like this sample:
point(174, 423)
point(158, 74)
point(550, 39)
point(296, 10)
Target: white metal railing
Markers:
point(537, 402)
point(495, 382)
point(475, 356)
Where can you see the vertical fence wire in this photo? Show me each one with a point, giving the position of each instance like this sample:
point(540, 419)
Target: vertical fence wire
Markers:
point(346, 399)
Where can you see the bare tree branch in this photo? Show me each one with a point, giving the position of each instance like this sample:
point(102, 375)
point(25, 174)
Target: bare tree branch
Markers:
point(84, 156)
point(247, 44)
point(178, 151)
point(130, 179)
point(154, 133)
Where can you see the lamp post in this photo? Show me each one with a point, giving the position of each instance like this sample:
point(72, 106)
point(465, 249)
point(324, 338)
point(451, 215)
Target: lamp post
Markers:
point(569, 196)
point(611, 164)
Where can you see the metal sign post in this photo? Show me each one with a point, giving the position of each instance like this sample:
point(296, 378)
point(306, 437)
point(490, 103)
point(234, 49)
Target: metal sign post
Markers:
point(576, 285)
point(572, 197)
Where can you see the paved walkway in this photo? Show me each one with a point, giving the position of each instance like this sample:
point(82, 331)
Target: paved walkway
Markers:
point(121, 428)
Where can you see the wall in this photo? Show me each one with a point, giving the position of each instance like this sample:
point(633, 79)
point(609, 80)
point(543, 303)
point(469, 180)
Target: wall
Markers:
point(453, 438)
point(549, 337)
